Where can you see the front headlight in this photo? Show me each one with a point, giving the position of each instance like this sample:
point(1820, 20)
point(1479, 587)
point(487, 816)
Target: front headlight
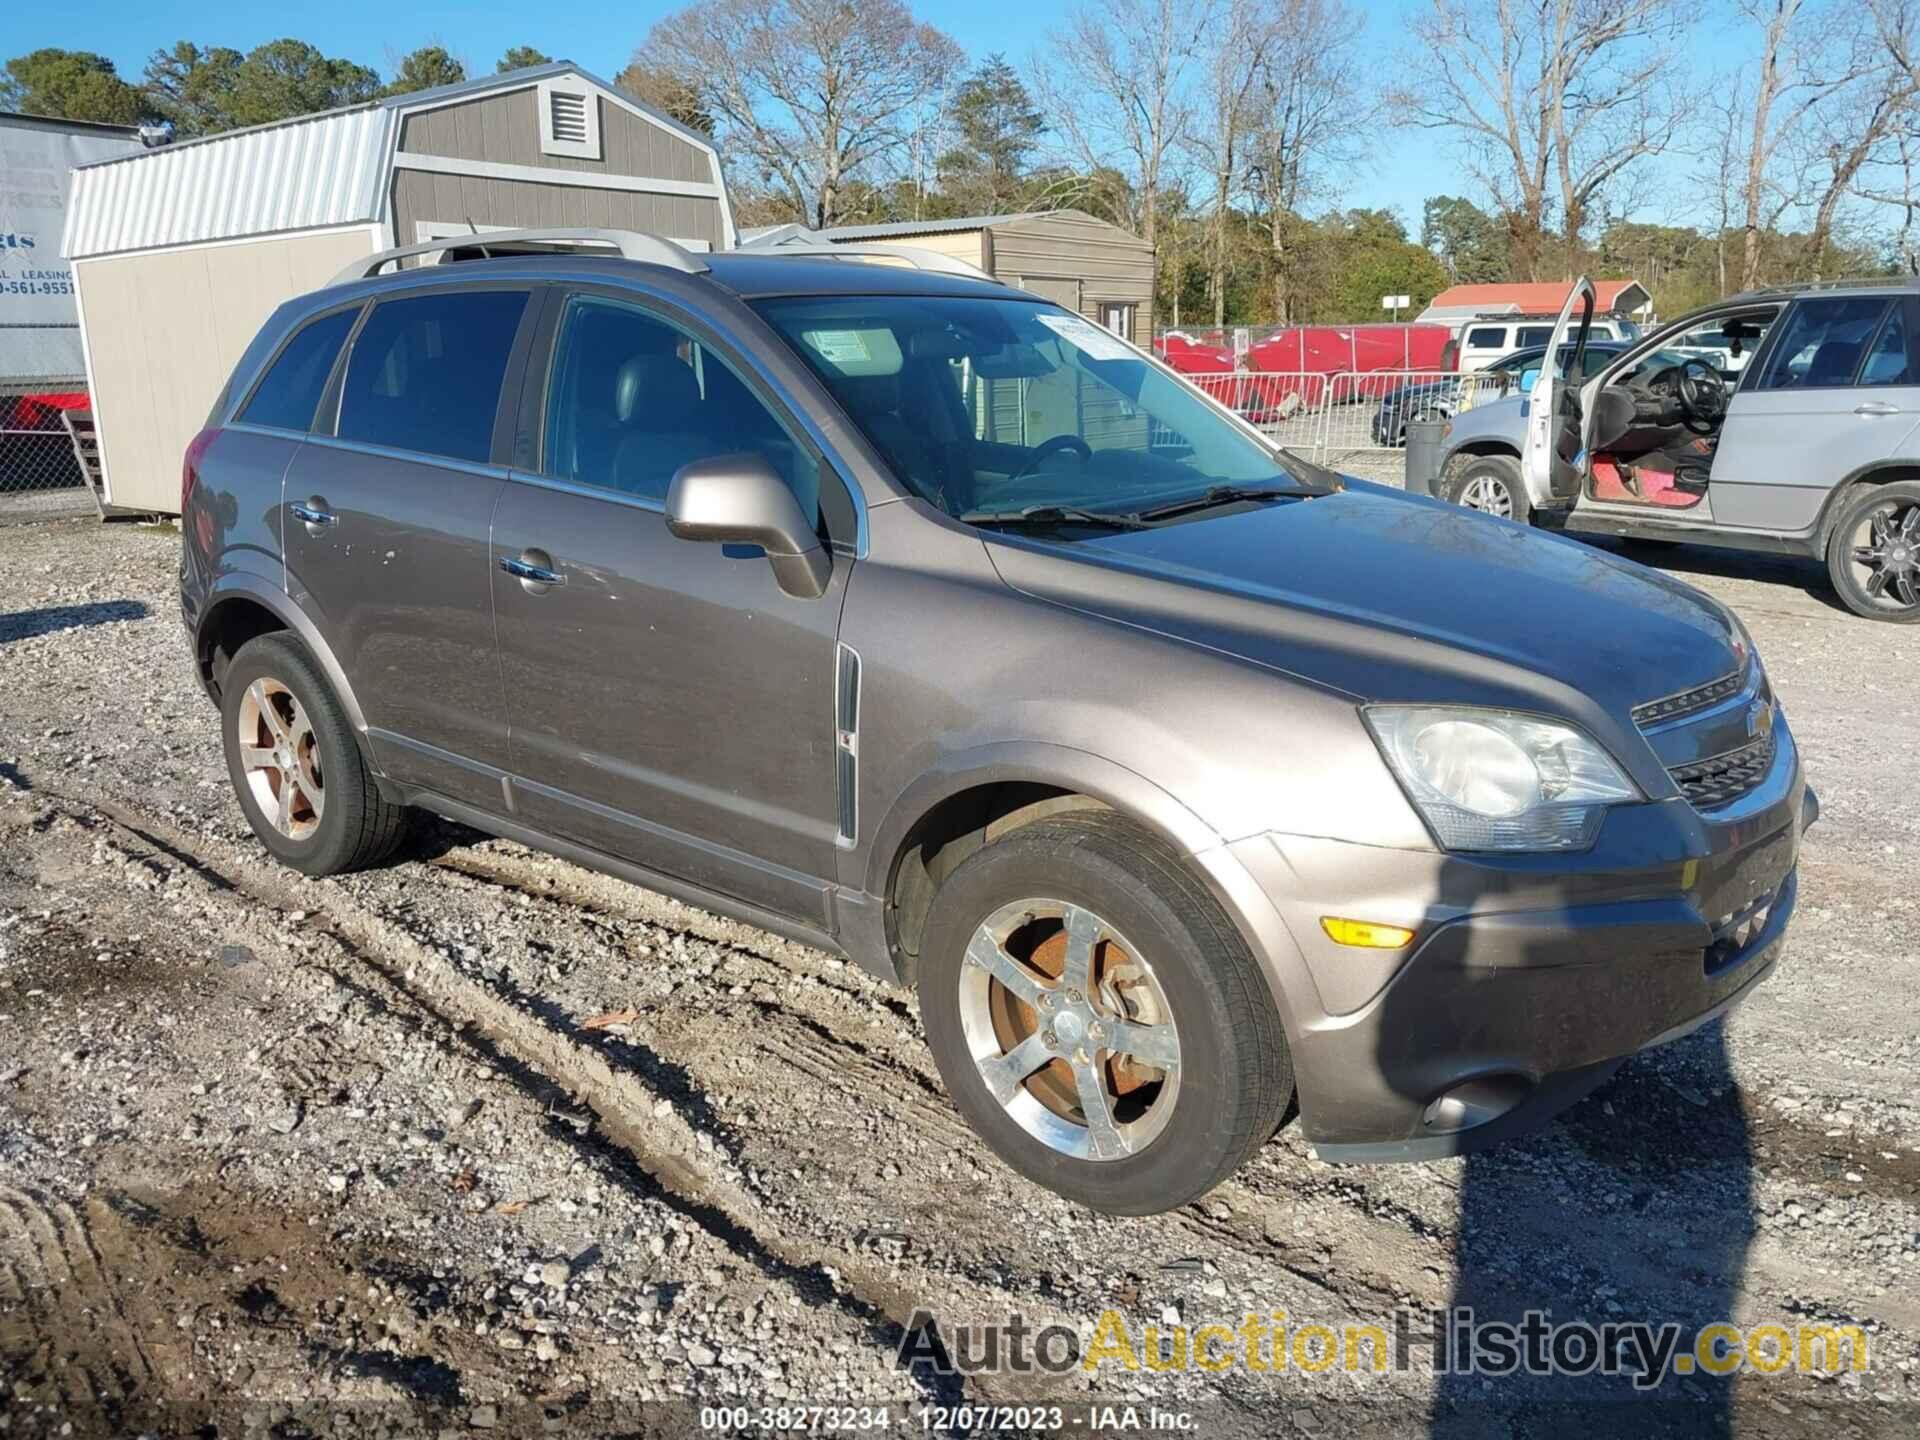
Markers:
point(1497, 779)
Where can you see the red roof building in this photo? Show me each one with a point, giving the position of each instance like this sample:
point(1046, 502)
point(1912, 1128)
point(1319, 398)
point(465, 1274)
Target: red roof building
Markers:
point(1463, 302)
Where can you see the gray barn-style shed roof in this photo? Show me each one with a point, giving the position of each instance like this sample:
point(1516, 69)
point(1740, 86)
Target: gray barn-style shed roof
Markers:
point(337, 168)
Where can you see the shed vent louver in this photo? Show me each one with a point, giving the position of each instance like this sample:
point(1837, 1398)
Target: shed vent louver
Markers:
point(569, 120)
point(569, 114)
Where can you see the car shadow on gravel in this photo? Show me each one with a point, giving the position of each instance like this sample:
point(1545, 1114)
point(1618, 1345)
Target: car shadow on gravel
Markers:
point(1637, 1205)
point(27, 624)
point(1808, 576)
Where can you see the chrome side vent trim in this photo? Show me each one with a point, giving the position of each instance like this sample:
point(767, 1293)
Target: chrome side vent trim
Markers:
point(1688, 702)
point(846, 737)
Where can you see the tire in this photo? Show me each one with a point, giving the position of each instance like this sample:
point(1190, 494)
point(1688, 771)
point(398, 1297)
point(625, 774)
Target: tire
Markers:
point(1481, 479)
point(338, 820)
point(1873, 554)
point(1196, 1124)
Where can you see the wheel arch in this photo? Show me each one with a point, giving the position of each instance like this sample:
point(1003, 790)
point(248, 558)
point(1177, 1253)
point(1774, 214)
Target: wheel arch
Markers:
point(1880, 472)
point(1479, 448)
point(243, 606)
point(976, 797)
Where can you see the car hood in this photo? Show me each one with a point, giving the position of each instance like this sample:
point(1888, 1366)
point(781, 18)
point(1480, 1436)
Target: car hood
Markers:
point(1387, 596)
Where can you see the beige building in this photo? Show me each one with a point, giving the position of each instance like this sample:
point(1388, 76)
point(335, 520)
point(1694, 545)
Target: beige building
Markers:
point(179, 254)
point(1072, 258)
point(1069, 257)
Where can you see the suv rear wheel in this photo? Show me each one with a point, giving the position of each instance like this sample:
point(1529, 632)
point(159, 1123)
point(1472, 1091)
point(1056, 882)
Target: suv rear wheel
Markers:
point(299, 775)
point(1873, 556)
point(1098, 1019)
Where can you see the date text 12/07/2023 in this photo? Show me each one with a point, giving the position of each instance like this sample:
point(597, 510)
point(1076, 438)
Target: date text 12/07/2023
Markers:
point(1087, 1418)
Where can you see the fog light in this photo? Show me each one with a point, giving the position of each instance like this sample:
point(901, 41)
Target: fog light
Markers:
point(1364, 934)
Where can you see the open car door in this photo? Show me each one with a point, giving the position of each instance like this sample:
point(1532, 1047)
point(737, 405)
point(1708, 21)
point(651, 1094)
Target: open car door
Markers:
point(1550, 458)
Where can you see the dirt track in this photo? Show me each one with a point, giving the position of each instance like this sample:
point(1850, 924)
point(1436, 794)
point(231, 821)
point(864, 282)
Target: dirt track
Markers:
point(483, 1131)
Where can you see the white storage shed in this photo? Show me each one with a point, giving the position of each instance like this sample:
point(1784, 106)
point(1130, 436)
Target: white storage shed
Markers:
point(179, 254)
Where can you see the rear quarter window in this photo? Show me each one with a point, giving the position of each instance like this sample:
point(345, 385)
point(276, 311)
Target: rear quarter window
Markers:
point(426, 370)
point(1488, 337)
point(290, 391)
point(1823, 343)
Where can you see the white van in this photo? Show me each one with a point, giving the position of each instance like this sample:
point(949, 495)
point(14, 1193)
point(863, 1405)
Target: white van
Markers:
point(1481, 342)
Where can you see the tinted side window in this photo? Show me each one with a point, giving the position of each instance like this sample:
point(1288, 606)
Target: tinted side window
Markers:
point(1486, 339)
point(425, 372)
point(1593, 361)
point(634, 398)
point(1534, 335)
point(289, 392)
point(1823, 343)
point(1888, 361)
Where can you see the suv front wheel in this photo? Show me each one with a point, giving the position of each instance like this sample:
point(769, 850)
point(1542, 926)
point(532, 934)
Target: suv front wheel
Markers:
point(1873, 556)
point(1492, 485)
point(1097, 1017)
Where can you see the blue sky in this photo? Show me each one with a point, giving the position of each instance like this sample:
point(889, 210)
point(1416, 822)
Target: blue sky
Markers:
point(1404, 169)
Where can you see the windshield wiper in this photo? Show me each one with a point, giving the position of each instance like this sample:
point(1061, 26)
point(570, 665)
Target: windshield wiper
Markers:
point(1233, 495)
point(1053, 515)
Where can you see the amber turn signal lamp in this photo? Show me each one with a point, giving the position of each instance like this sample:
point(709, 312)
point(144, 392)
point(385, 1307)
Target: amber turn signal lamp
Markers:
point(1364, 934)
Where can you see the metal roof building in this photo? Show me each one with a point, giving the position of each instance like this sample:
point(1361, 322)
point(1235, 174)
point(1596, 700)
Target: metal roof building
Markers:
point(1083, 262)
point(180, 253)
point(1461, 303)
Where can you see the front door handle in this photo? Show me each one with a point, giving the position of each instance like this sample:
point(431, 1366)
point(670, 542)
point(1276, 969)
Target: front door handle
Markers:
point(1876, 407)
point(534, 576)
point(316, 517)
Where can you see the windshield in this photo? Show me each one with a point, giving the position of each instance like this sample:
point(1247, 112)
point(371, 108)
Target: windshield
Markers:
point(990, 406)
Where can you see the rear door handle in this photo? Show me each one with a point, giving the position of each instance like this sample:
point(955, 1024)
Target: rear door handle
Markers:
point(1876, 407)
point(531, 574)
point(313, 516)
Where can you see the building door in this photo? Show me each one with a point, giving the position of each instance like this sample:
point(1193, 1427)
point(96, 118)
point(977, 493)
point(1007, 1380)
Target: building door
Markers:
point(1051, 404)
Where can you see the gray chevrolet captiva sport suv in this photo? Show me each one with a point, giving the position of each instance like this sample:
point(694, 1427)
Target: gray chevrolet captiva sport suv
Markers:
point(927, 622)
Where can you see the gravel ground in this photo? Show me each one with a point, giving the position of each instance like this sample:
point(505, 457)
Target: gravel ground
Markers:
point(483, 1140)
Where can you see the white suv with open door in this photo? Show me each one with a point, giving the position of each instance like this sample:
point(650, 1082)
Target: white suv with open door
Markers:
point(1811, 448)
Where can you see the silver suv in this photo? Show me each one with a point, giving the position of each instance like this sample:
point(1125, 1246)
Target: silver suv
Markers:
point(1785, 421)
point(930, 623)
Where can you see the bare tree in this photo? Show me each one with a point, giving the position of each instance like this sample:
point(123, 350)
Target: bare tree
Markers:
point(812, 93)
point(1555, 100)
point(1306, 124)
point(1232, 67)
point(1721, 175)
point(1810, 63)
point(1117, 94)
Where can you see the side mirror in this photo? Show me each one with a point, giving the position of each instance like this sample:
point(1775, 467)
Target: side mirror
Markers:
point(738, 499)
point(1527, 377)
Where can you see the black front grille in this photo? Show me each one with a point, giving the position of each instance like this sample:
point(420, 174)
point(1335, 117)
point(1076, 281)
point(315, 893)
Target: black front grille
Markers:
point(1672, 707)
point(1712, 784)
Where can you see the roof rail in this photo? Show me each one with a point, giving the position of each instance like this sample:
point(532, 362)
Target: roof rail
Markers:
point(814, 249)
point(632, 245)
point(1839, 282)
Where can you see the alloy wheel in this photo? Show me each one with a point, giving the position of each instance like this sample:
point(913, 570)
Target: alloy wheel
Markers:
point(1885, 555)
point(280, 757)
point(1070, 1029)
point(1487, 495)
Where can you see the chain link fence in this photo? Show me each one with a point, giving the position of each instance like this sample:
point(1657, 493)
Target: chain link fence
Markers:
point(41, 474)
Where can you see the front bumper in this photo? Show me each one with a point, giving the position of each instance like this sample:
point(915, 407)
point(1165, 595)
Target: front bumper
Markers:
point(1532, 977)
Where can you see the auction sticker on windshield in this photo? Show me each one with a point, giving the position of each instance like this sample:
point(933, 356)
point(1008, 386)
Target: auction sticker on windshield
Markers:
point(839, 347)
point(1086, 336)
